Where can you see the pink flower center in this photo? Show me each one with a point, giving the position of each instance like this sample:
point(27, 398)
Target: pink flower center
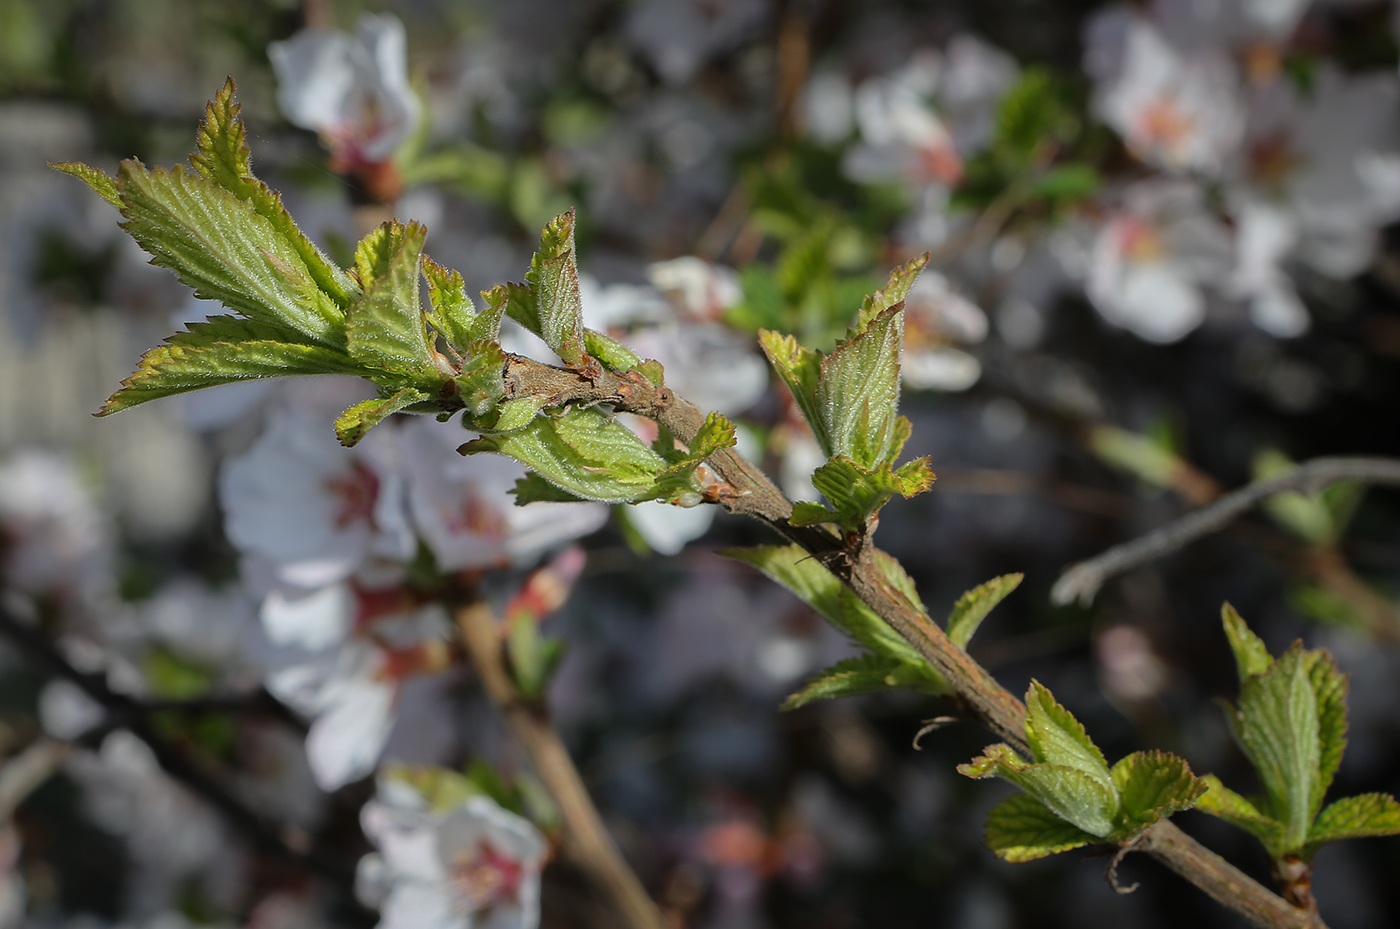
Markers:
point(487, 878)
point(1138, 241)
point(355, 492)
point(1163, 123)
point(939, 161)
point(476, 516)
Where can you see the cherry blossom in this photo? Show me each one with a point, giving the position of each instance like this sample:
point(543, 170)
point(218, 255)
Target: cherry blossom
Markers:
point(1153, 259)
point(1177, 110)
point(935, 317)
point(471, 866)
point(352, 91)
point(313, 508)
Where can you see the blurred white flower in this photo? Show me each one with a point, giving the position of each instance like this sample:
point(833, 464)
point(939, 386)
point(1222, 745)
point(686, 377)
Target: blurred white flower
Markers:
point(701, 289)
point(1264, 237)
point(1153, 259)
point(935, 316)
point(313, 508)
point(1177, 110)
point(53, 538)
point(667, 527)
point(1331, 158)
point(474, 866)
point(353, 91)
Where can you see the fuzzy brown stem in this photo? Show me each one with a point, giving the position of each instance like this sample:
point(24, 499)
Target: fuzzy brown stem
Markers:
point(749, 492)
point(586, 841)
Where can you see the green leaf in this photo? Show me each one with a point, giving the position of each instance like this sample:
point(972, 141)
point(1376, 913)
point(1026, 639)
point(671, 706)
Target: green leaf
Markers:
point(612, 353)
point(800, 368)
point(583, 452)
point(853, 676)
point(814, 585)
point(533, 657)
point(352, 425)
point(534, 489)
point(856, 494)
point(99, 181)
point(1142, 456)
point(478, 380)
point(553, 279)
point(385, 328)
point(1071, 793)
point(198, 359)
point(973, 606)
point(1222, 802)
point(677, 483)
point(1276, 725)
point(899, 579)
point(220, 246)
point(901, 280)
point(222, 157)
point(1355, 818)
point(452, 313)
point(1152, 785)
point(857, 393)
point(1021, 828)
point(1306, 515)
point(1330, 687)
point(517, 414)
point(1251, 656)
point(1057, 738)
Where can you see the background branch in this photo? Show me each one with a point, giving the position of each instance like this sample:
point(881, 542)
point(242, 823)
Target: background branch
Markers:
point(586, 840)
point(1083, 580)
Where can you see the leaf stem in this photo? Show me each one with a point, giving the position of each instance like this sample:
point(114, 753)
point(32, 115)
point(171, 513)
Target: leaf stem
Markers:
point(586, 841)
point(752, 493)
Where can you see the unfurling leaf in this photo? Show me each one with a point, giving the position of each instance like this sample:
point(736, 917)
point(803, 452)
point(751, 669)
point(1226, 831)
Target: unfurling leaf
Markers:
point(1354, 818)
point(856, 494)
point(452, 313)
point(857, 395)
point(385, 328)
point(222, 157)
point(1251, 656)
point(973, 606)
point(224, 249)
point(101, 182)
point(1021, 828)
point(352, 425)
point(1070, 779)
point(553, 279)
point(1152, 785)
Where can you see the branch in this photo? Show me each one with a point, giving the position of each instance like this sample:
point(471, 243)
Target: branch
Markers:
point(1083, 580)
point(753, 494)
point(125, 712)
point(586, 841)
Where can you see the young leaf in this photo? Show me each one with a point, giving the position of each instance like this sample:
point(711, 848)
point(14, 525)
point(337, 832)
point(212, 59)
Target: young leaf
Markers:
point(800, 369)
point(220, 246)
point(553, 278)
point(973, 606)
point(222, 157)
point(1071, 793)
point(863, 675)
point(901, 280)
point(1021, 828)
point(190, 363)
point(1277, 727)
point(1354, 818)
point(864, 625)
point(1220, 801)
point(899, 579)
point(857, 392)
point(677, 482)
point(385, 328)
point(478, 380)
point(1330, 687)
point(1152, 785)
point(99, 181)
point(452, 313)
point(856, 494)
point(583, 452)
point(352, 425)
point(534, 489)
point(612, 353)
point(1251, 656)
point(1057, 738)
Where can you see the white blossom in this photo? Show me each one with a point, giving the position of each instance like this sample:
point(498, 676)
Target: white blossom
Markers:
point(473, 866)
point(353, 91)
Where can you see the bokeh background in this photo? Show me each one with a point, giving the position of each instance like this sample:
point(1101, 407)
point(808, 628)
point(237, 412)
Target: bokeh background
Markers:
point(1166, 264)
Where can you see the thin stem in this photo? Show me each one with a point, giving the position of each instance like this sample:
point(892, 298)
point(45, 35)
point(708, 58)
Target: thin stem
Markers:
point(1083, 580)
point(586, 841)
point(750, 492)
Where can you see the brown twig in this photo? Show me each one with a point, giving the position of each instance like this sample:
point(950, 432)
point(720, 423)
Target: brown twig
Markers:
point(586, 841)
point(753, 494)
point(1083, 580)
